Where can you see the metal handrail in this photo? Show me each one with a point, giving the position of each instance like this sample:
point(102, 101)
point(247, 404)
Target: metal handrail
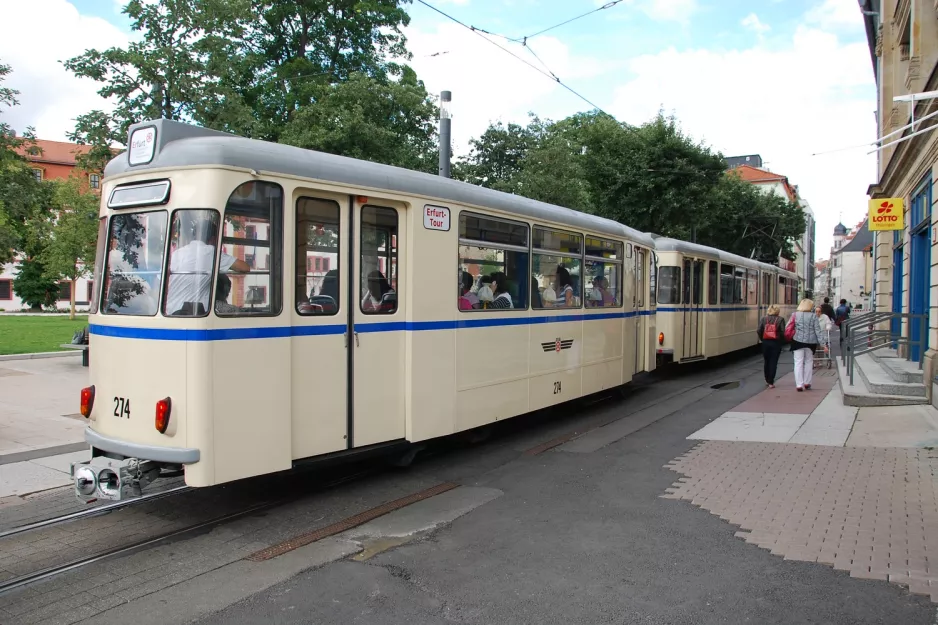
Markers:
point(860, 330)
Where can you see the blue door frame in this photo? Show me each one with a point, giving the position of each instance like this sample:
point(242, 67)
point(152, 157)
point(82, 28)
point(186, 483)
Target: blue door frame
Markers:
point(919, 264)
point(895, 325)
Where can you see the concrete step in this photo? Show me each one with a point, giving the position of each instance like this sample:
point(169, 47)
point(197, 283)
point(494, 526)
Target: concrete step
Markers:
point(860, 395)
point(879, 379)
point(900, 369)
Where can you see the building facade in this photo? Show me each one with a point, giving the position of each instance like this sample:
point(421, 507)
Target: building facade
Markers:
point(55, 160)
point(903, 42)
point(822, 280)
point(770, 182)
point(855, 268)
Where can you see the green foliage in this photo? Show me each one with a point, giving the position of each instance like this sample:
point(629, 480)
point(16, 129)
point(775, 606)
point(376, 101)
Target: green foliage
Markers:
point(388, 122)
point(23, 199)
point(98, 130)
point(70, 250)
point(33, 286)
point(652, 178)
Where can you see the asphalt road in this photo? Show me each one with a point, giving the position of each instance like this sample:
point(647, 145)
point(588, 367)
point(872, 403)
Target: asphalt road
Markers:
point(584, 538)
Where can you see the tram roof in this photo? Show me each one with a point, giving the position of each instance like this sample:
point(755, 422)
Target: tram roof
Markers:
point(665, 244)
point(183, 145)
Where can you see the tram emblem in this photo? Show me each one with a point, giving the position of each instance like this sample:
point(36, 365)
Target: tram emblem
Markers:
point(557, 345)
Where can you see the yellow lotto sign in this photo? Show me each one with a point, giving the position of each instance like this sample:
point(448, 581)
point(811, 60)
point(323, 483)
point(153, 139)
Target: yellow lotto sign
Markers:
point(886, 214)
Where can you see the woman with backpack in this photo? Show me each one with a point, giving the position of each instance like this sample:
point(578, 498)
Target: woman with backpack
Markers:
point(805, 333)
point(772, 334)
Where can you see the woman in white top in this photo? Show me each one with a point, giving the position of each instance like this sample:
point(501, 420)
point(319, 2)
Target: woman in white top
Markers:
point(500, 289)
point(564, 289)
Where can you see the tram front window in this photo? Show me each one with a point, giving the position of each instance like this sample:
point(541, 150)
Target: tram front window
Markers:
point(133, 272)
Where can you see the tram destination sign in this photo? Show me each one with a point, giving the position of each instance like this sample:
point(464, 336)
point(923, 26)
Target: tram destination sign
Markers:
point(436, 217)
point(886, 214)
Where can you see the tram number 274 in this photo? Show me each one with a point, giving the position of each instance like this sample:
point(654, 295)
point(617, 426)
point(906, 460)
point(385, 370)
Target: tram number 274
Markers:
point(556, 388)
point(121, 407)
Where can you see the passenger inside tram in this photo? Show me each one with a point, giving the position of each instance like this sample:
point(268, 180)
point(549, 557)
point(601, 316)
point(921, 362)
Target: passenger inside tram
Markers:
point(191, 270)
point(467, 299)
point(563, 287)
point(599, 294)
point(222, 290)
point(500, 289)
point(379, 296)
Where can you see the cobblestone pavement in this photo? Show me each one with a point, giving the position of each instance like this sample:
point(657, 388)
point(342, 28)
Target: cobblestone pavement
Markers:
point(870, 511)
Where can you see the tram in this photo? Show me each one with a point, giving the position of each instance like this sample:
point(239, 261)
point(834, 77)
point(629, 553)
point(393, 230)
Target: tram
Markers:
point(709, 302)
point(256, 305)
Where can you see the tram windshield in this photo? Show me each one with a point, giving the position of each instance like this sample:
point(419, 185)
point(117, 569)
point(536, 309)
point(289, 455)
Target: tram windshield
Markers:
point(133, 273)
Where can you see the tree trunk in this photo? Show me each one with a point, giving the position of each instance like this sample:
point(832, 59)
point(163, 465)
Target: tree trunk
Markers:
point(71, 313)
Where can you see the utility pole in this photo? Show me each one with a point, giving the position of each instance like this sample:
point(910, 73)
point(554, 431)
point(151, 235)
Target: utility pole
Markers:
point(445, 133)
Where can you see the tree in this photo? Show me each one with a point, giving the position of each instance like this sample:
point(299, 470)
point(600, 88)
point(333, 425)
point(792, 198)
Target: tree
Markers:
point(33, 286)
point(95, 129)
point(389, 122)
point(163, 73)
point(295, 51)
point(23, 199)
point(495, 156)
point(70, 252)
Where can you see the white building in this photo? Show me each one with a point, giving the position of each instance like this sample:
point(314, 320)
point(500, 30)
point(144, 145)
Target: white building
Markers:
point(852, 272)
point(10, 302)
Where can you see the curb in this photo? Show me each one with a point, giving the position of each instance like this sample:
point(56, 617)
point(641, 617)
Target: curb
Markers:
point(42, 452)
point(38, 355)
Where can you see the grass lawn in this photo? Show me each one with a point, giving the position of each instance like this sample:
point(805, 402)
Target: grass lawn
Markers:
point(37, 333)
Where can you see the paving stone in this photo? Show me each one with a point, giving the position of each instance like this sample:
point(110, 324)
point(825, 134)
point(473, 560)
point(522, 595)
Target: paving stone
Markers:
point(854, 508)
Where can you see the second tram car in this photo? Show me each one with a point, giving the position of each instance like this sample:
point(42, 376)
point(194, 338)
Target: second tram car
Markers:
point(709, 302)
point(259, 304)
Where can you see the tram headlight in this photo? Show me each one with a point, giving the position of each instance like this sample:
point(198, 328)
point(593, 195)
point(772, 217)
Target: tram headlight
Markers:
point(109, 482)
point(85, 481)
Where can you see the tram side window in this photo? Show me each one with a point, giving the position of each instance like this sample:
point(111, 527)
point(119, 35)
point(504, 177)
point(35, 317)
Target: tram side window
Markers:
point(556, 271)
point(639, 281)
point(317, 256)
point(133, 269)
point(727, 283)
point(652, 278)
point(492, 249)
point(713, 282)
point(669, 285)
point(379, 254)
point(251, 236)
point(604, 272)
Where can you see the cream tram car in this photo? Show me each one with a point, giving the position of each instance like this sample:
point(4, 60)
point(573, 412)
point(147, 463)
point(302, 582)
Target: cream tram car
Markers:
point(258, 304)
point(710, 302)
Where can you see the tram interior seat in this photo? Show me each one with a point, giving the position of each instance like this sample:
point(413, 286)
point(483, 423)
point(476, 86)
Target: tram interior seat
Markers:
point(188, 308)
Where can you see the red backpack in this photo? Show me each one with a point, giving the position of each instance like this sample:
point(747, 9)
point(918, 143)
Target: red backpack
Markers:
point(770, 331)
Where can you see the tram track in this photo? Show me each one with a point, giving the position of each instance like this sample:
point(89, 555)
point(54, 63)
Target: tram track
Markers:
point(45, 572)
point(175, 533)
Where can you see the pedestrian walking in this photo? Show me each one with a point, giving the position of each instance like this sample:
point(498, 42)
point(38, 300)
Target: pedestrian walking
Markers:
point(804, 328)
point(840, 316)
point(772, 334)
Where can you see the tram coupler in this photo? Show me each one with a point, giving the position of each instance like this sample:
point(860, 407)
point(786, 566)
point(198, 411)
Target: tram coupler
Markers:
point(111, 479)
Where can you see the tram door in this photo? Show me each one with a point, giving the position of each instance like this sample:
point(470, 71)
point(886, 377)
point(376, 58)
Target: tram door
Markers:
point(693, 299)
point(640, 319)
point(377, 343)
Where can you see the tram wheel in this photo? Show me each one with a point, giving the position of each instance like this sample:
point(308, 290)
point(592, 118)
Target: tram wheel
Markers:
point(478, 435)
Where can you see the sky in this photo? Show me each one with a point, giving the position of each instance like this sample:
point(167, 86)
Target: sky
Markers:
point(786, 79)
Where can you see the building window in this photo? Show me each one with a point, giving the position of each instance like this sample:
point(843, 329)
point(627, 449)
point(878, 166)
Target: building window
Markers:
point(65, 291)
point(95, 180)
point(37, 174)
point(6, 289)
point(249, 259)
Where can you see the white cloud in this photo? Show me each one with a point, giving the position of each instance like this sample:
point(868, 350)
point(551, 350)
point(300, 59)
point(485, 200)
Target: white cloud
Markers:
point(487, 84)
point(835, 14)
point(50, 96)
point(753, 23)
point(669, 10)
point(784, 104)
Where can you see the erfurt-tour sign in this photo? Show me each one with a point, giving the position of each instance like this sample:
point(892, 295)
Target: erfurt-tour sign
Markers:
point(886, 214)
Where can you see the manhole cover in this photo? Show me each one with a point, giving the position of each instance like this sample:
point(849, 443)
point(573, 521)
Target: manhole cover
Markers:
point(725, 385)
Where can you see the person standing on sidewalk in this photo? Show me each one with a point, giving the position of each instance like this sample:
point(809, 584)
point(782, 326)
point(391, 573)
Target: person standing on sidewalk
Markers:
point(772, 334)
point(807, 336)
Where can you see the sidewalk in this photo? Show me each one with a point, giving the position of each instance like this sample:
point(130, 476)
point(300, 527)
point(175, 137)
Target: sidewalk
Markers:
point(41, 431)
point(813, 480)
